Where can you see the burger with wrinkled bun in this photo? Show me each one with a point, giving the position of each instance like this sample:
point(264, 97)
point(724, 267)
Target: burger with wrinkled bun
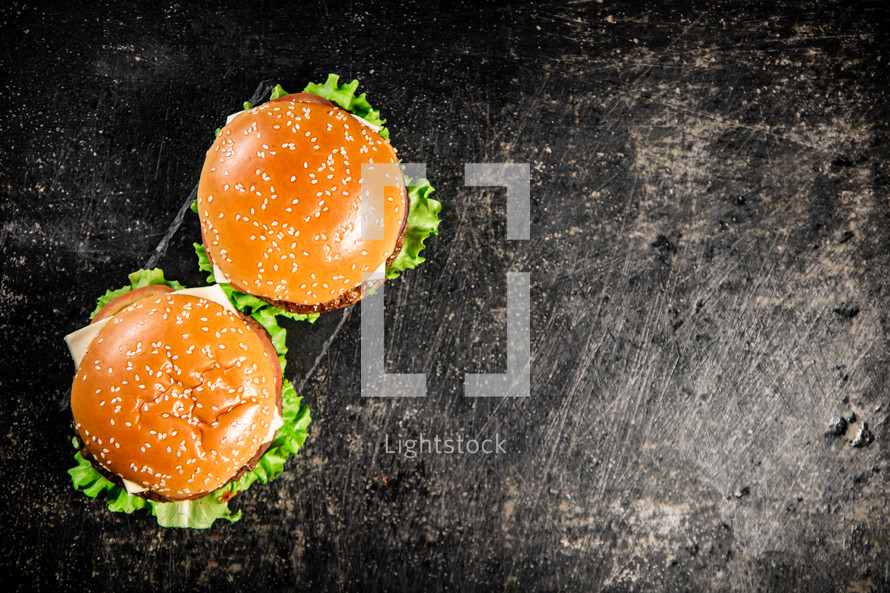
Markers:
point(279, 202)
point(175, 395)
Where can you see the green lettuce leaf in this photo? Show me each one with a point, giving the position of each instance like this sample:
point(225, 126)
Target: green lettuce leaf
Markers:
point(277, 93)
point(202, 512)
point(85, 477)
point(138, 279)
point(423, 220)
point(344, 96)
point(196, 514)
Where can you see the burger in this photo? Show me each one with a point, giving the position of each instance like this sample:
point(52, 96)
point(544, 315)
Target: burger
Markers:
point(176, 398)
point(280, 201)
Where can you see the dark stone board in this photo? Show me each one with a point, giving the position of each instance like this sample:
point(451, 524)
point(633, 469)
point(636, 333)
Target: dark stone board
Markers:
point(709, 285)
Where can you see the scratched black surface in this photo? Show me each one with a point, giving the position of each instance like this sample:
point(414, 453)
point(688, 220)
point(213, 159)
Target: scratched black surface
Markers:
point(709, 276)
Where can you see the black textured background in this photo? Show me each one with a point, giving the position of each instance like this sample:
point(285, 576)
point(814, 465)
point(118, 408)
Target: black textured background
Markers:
point(709, 274)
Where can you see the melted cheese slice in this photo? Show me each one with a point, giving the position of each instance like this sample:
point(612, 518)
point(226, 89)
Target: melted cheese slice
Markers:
point(219, 276)
point(365, 122)
point(277, 422)
point(378, 274)
point(133, 487)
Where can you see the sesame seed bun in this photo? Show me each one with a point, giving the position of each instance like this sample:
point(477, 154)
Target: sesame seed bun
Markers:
point(279, 201)
point(176, 394)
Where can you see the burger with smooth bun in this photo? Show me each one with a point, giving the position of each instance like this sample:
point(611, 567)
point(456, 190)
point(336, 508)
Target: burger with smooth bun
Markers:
point(280, 203)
